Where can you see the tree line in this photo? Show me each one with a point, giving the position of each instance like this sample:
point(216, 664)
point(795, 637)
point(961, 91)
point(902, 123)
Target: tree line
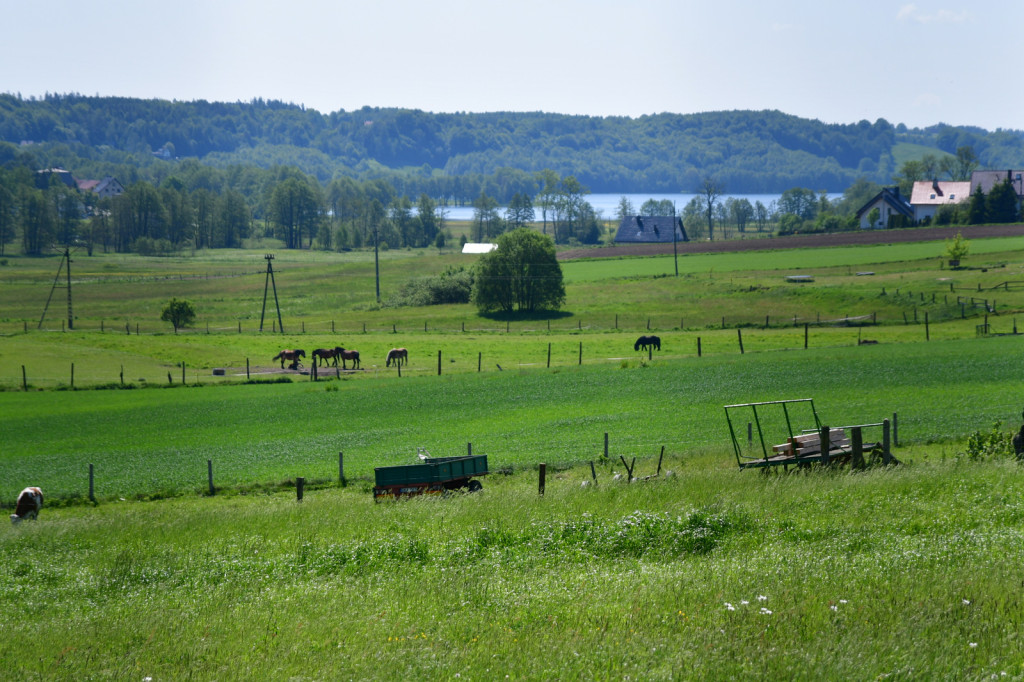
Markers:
point(455, 156)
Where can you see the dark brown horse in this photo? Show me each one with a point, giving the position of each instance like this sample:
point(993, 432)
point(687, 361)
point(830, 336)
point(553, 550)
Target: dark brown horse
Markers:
point(647, 341)
point(325, 354)
point(399, 356)
point(352, 355)
point(291, 355)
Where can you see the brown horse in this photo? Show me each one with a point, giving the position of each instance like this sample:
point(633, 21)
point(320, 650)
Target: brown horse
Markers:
point(292, 355)
point(325, 354)
point(352, 355)
point(399, 356)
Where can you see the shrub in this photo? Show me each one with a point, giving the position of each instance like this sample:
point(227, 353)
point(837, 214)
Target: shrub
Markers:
point(989, 445)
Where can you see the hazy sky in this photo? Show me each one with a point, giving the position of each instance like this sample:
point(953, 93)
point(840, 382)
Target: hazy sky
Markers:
point(916, 63)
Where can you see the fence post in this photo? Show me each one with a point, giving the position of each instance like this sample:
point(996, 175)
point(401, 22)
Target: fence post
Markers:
point(581, 352)
point(606, 445)
point(24, 379)
point(72, 375)
point(209, 475)
point(92, 485)
point(438, 363)
point(593, 472)
point(857, 446)
point(806, 327)
point(300, 484)
point(659, 460)
point(182, 372)
point(886, 451)
point(543, 471)
point(825, 442)
point(479, 359)
point(927, 333)
point(469, 449)
point(739, 335)
point(247, 369)
point(122, 375)
point(341, 469)
point(549, 355)
point(698, 346)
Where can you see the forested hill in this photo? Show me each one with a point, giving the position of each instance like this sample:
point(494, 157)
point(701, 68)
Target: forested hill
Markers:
point(747, 151)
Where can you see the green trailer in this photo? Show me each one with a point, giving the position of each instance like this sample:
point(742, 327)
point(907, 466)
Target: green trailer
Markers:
point(433, 475)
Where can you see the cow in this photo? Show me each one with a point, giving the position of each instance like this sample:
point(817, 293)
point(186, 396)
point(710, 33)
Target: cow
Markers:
point(30, 501)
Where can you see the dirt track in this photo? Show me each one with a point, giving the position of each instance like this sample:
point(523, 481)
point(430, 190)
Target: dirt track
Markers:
point(920, 234)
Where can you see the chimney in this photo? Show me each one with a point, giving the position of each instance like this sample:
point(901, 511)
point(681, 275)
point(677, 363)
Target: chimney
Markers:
point(935, 186)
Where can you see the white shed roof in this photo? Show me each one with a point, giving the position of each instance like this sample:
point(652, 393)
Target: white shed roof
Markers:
point(470, 247)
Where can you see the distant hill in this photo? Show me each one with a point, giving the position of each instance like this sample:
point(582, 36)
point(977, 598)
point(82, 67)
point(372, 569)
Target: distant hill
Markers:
point(747, 151)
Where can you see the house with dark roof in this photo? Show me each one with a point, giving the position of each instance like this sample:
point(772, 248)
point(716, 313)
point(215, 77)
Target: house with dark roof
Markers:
point(890, 206)
point(645, 228)
point(107, 187)
point(928, 195)
point(987, 179)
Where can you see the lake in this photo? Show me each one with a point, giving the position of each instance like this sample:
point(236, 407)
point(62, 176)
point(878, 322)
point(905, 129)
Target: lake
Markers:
point(606, 205)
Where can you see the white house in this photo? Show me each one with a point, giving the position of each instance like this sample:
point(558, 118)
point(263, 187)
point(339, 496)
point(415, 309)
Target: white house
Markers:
point(928, 196)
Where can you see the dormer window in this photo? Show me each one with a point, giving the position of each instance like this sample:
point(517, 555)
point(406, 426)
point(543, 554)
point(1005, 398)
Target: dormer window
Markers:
point(952, 197)
point(933, 196)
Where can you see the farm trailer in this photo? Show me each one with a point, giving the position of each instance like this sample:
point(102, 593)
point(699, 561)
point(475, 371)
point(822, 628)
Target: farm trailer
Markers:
point(843, 445)
point(434, 475)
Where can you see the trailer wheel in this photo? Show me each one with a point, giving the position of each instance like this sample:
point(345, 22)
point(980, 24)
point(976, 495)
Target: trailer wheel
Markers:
point(475, 486)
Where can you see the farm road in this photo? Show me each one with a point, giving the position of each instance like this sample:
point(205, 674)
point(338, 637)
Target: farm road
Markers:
point(800, 241)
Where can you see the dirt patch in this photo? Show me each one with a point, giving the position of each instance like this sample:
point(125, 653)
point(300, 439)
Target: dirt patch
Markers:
point(799, 241)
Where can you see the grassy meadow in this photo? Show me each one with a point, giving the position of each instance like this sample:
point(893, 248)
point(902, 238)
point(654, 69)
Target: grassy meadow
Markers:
point(704, 572)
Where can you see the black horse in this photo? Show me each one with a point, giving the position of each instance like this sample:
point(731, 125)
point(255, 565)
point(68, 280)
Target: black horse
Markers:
point(647, 341)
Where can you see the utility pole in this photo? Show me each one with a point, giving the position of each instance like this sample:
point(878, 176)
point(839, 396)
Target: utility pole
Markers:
point(376, 261)
point(71, 317)
point(270, 281)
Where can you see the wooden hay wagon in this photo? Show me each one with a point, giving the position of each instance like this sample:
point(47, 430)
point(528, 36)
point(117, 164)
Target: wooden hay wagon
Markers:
point(433, 475)
point(802, 447)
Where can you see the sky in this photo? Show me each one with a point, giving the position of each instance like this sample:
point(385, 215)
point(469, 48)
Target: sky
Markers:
point(918, 63)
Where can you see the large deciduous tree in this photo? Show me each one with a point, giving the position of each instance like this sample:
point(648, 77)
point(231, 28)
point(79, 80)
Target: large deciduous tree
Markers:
point(710, 190)
point(522, 274)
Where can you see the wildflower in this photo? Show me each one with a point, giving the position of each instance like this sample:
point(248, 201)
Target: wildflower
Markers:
point(729, 606)
point(834, 607)
point(765, 612)
point(743, 602)
point(966, 602)
point(972, 644)
point(842, 601)
point(761, 597)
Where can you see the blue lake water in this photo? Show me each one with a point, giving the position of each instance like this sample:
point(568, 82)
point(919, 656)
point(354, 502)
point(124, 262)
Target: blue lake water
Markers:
point(606, 205)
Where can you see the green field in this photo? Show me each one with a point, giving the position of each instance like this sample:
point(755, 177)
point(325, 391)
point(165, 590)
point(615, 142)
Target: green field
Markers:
point(707, 572)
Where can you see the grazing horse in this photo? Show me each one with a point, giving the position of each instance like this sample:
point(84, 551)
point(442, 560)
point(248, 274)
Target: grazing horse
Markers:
point(30, 501)
point(326, 354)
point(292, 355)
point(644, 341)
point(352, 355)
point(399, 356)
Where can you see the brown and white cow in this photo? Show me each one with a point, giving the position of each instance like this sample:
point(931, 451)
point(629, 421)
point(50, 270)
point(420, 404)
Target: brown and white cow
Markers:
point(30, 501)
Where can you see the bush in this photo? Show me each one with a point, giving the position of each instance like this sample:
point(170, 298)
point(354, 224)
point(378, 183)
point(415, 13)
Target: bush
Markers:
point(454, 285)
point(991, 445)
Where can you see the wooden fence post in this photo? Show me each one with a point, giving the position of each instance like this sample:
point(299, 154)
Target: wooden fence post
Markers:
point(593, 472)
point(479, 360)
point(927, 333)
point(122, 375)
point(659, 460)
point(24, 379)
point(806, 327)
point(549, 355)
point(542, 473)
point(92, 485)
point(698, 346)
point(209, 475)
point(438, 363)
point(739, 335)
point(469, 449)
point(857, 446)
point(581, 352)
point(825, 442)
point(72, 375)
point(300, 484)
point(606, 445)
point(182, 372)
point(886, 451)
point(247, 369)
point(341, 469)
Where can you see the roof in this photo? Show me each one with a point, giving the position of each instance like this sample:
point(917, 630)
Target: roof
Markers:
point(88, 185)
point(939, 192)
point(647, 228)
point(470, 247)
point(891, 196)
point(987, 179)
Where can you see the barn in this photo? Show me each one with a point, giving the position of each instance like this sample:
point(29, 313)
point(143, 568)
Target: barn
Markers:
point(645, 228)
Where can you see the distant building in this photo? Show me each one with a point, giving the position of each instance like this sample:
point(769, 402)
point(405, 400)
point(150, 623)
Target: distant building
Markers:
point(890, 205)
point(43, 177)
point(107, 187)
point(987, 179)
point(641, 229)
point(470, 247)
point(928, 196)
